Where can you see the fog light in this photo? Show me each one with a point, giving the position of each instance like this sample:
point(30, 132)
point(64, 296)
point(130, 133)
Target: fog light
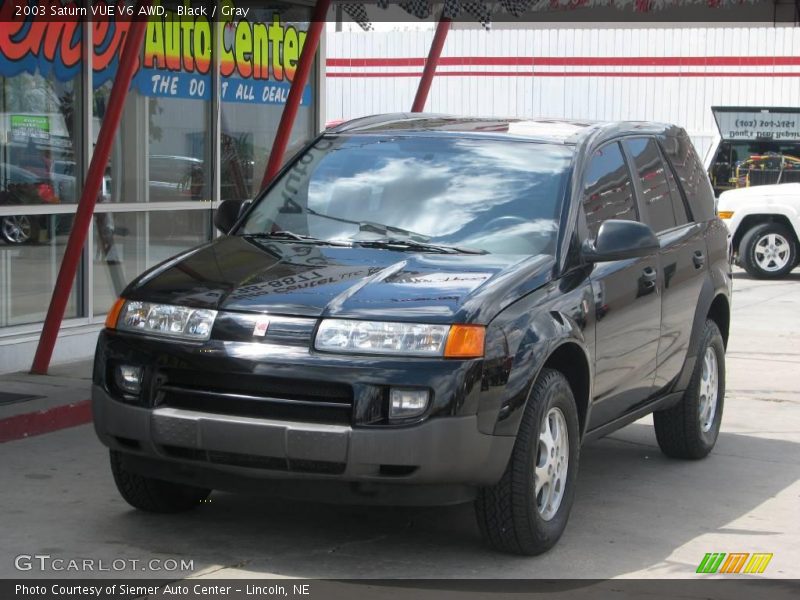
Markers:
point(129, 379)
point(407, 403)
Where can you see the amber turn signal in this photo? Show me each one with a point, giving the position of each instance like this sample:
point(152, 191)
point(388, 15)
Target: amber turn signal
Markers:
point(465, 341)
point(113, 314)
point(725, 214)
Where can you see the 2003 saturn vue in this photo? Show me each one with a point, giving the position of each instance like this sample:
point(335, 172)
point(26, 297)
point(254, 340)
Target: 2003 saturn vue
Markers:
point(428, 309)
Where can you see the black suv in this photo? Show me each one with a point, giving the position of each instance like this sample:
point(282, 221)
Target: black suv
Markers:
point(428, 309)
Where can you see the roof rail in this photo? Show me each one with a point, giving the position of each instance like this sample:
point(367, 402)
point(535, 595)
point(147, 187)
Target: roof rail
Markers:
point(358, 123)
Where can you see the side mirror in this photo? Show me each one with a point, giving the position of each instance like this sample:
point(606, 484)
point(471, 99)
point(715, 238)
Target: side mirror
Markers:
point(618, 240)
point(228, 212)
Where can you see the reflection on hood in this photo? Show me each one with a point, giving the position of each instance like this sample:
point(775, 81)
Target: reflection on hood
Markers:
point(239, 274)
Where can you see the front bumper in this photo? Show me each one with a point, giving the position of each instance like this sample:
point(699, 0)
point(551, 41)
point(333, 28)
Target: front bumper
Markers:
point(222, 451)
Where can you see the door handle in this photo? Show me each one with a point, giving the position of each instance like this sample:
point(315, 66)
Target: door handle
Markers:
point(647, 282)
point(699, 259)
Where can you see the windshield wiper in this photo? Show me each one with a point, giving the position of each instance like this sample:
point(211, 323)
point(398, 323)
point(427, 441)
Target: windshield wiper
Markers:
point(368, 226)
point(404, 244)
point(390, 243)
point(297, 237)
point(380, 228)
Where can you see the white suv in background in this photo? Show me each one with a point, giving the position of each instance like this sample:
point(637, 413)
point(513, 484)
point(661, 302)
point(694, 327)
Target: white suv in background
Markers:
point(764, 223)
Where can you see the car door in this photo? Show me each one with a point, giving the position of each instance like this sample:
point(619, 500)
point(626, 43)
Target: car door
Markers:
point(682, 255)
point(626, 292)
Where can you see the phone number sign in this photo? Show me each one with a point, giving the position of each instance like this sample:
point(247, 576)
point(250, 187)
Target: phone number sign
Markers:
point(759, 125)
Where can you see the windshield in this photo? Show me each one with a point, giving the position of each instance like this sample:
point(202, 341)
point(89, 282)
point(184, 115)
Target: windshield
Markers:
point(420, 192)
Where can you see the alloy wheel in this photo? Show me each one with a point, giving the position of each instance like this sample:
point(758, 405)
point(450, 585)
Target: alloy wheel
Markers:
point(772, 252)
point(709, 389)
point(16, 229)
point(552, 463)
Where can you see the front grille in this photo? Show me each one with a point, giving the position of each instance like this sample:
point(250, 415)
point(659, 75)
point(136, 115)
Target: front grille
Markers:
point(271, 463)
point(247, 395)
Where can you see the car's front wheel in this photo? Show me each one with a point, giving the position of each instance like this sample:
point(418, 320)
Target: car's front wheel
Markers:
point(768, 251)
point(527, 510)
point(690, 428)
point(153, 495)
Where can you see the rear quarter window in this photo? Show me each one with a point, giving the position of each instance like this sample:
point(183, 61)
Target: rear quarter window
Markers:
point(692, 177)
point(651, 173)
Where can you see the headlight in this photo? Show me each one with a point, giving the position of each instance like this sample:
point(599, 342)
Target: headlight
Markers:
point(403, 339)
point(165, 319)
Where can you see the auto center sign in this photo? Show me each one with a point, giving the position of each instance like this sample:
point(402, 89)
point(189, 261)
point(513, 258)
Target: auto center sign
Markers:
point(258, 56)
point(758, 123)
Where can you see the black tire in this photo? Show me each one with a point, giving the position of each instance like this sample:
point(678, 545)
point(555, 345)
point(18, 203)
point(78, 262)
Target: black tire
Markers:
point(680, 429)
point(508, 514)
point(750, 244)
point(154, 495)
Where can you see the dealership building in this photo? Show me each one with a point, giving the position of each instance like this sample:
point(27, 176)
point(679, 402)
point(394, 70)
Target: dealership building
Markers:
point(197, 129)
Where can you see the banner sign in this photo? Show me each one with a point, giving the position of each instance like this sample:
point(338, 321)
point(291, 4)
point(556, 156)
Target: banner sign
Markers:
point(257, 61)
point(740, 123)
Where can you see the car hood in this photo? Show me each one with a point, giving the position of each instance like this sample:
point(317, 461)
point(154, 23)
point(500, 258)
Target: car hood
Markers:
point(760, 193)
point(241, 274)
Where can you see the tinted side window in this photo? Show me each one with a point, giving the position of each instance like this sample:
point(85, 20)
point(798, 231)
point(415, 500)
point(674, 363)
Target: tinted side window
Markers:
point(678, 203)
point(691, 175)
point(656, 200)
point(607, 189)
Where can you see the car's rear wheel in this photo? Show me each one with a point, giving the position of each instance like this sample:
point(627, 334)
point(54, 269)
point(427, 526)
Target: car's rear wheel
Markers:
point(768, 251)
point(527, 510)
point(17, 229)
point(690, 428)
point(153, 495)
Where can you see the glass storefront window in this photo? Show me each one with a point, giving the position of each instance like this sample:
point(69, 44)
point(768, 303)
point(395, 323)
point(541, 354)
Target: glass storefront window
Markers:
point(166, 140)
point(255, 82)
point(28, 273)
point(162, 180)
point(39, 139)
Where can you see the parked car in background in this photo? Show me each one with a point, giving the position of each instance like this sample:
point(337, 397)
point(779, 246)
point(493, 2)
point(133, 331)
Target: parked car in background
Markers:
point(22, 187)
point(428, 310)
point(764, 223)
point(62, 174)
point(175, 178)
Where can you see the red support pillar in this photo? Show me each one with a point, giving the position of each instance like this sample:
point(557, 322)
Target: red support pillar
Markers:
point(128, 63)
point(296, 91)
point(430, 65)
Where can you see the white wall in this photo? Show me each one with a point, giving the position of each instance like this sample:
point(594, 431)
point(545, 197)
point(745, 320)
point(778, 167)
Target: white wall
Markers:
point(669, 90)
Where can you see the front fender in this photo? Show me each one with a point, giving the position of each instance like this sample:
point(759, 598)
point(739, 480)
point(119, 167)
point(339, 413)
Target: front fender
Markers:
point(770, 208)
point(519, 342)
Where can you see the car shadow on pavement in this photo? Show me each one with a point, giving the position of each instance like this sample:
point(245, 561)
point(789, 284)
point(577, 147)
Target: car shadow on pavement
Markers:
point(745, 276)
point(633, 509)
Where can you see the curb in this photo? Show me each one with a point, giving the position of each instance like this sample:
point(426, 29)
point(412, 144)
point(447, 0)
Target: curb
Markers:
point(45, 421)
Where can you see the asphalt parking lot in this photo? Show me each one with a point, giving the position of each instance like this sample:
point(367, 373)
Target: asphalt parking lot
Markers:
point(636, 514)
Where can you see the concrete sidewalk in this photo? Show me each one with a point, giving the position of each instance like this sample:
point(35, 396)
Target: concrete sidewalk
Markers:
point(59, 400)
